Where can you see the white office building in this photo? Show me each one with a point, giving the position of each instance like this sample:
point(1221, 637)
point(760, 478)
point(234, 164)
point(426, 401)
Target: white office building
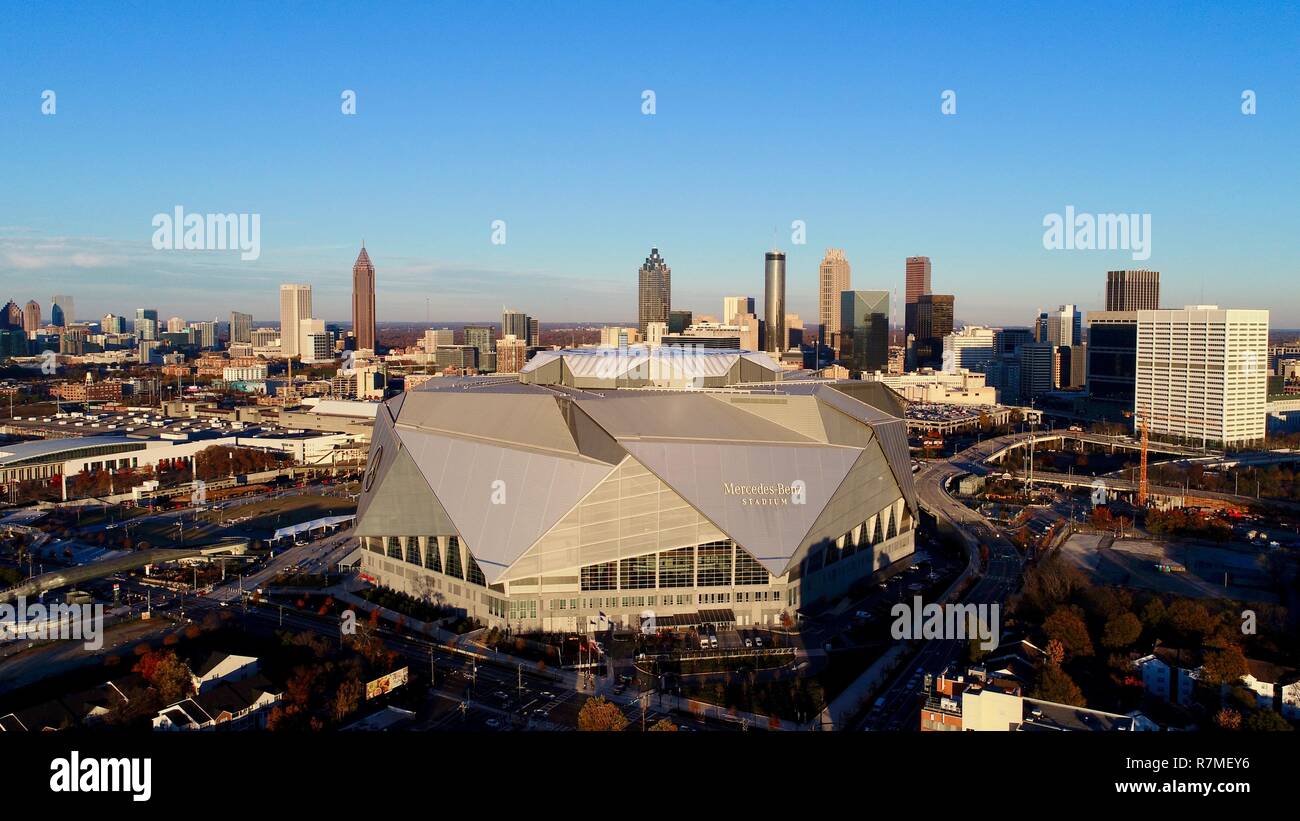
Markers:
point(1202, 374)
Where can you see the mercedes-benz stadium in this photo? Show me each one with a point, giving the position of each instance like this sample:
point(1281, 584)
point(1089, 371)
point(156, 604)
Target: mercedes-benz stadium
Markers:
point(702, 488)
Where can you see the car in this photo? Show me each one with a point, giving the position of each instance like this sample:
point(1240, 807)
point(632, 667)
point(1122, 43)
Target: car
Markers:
point(713, 641)
point(749, 642)
point(758, 641)
point(704, 642)
point(493, 723)
point(501, 694)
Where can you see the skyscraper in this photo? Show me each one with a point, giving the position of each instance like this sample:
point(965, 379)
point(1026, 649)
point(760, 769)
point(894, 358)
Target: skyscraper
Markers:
point(934, 320)
point(61, 310)
point(1202, 374)
point(774, 301)
point(241, 327)
point(917, 282)
point(363, 300)
point(835, 276)
point(31, 315)
point(654, 291)
point(1064, 327)
point(1132, 290)
point(863, 330)
point(295, 306)
point(514, 323)
point(12, 318)
point(146, 323)
point(734, 306)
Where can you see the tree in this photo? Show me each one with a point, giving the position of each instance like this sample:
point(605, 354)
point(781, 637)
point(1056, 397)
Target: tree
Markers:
point(1262, 721)
point(1067, 627)
point(599, 715)
point(1225, 665)
point(1227, 719)
point(1191, 618)
point(347, 699)
point(168, 674)
point(663, 725)
point(1055, 652)
point(1121, 631)
point(1054, 684)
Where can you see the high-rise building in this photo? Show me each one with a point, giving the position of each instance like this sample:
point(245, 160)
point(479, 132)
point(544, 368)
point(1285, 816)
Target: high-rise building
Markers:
point(482, 337)
point(1202, 374)
point(1037, 369)
point(434, 339)
point(793, 331)
point(1132, 290)
point(863, 330)
point(917, 282)
point(1064, 326)
point(971, 348)
point(112, 324)
point(11, 317)
point(175, 325)
point(1112, 356)
point(512, 354)
point(679, 321)
point(934, 321)
point(207, 333)
point(62, 311)
point(1006, 340)
point(146, 324)
point(834, 278)
point(534, 331)
point(295, 306)
point(514, 323)
point(363, 301)
point(31, 316)
point(774, 301)
point(734, 306)
point(654, 291)
point(241, 327)
point(313, 341)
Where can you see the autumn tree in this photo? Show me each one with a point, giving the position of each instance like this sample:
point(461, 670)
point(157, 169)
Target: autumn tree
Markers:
point(1262, 721)
point(1227, 719)
point(1066, 626)
point(1224, 664)
point(168, 675)
point(663, 725)
point(1121, 631)
point(1054, 684)
point(347, 699)
point(599, 715)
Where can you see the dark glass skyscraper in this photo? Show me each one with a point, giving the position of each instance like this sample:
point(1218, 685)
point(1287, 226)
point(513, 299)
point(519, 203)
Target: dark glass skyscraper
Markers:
point(864, 330)
point(934, 319)
point(654, 291)
point(1133, 290)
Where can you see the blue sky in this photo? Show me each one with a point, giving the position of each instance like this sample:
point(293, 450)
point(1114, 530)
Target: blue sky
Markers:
point(531, 113)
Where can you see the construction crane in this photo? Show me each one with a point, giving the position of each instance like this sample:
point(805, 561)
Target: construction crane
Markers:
point(1144, 486)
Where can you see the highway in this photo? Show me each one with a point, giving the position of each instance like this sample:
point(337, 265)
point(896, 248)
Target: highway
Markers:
point(900, 709)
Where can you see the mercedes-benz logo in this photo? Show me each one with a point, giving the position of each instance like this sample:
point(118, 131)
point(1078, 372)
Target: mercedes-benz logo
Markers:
point(373, 470)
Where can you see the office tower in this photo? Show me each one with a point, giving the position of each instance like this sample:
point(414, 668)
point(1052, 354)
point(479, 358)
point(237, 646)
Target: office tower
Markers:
point(295, 306)
point(656, 331)
point(481, 337)
point(934, 320)
point(534, 332)
point(112, 324)
point(1132, 290)
point(72, 341)
point(1074, 367)
point(207, 333)
point(863, 330)
point(679, 321)
point(456, 357)
point(313, 341)
point(1063, 327)
point(515, 324)
point(834, 278)
point(512, 354)
point(241, 327)
point(1006, 340)
point(1202, 374)
point(774, 301)
point(265, 338)
point(1038, 364)
point(617, 337)
point(793, 331)
point(61, 310)
point(1112, 356)
point(734, 306)
point(147, 351)
point(654, 291)
point(11, 317)
point(175, 325)
point(433, 339)
point(31, 316)
point(739, 334)
point(972, 348)
point(363, 301)
point(917, 282)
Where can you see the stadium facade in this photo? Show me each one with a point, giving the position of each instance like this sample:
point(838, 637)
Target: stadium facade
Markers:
point(620, 482)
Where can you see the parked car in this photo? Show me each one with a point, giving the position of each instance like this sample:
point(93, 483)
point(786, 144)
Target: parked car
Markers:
point(749, 642)
point(758, 641)
point(713, 641)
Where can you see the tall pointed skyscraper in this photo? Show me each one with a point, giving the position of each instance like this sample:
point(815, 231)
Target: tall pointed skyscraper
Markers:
point(654, 291)
point(363, 300)
point(834, 277)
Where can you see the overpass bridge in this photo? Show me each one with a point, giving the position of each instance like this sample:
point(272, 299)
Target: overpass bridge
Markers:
point(1180, 496)
point(72, 576)
point(1005, 445)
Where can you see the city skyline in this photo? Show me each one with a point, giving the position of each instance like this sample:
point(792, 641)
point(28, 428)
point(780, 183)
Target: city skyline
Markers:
point(715, 203)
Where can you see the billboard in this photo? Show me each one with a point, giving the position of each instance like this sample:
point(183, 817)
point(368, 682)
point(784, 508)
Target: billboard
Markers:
point(384, 684)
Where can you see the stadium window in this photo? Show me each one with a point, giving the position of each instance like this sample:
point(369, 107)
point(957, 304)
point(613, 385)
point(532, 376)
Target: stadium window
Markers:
point(637, 573)
point(677, 567)
point(714, 564)
point(431, 560)
point(599, 577)
point(394, 548)
point(475, 572)
point(748, 570)
point(453, 558)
